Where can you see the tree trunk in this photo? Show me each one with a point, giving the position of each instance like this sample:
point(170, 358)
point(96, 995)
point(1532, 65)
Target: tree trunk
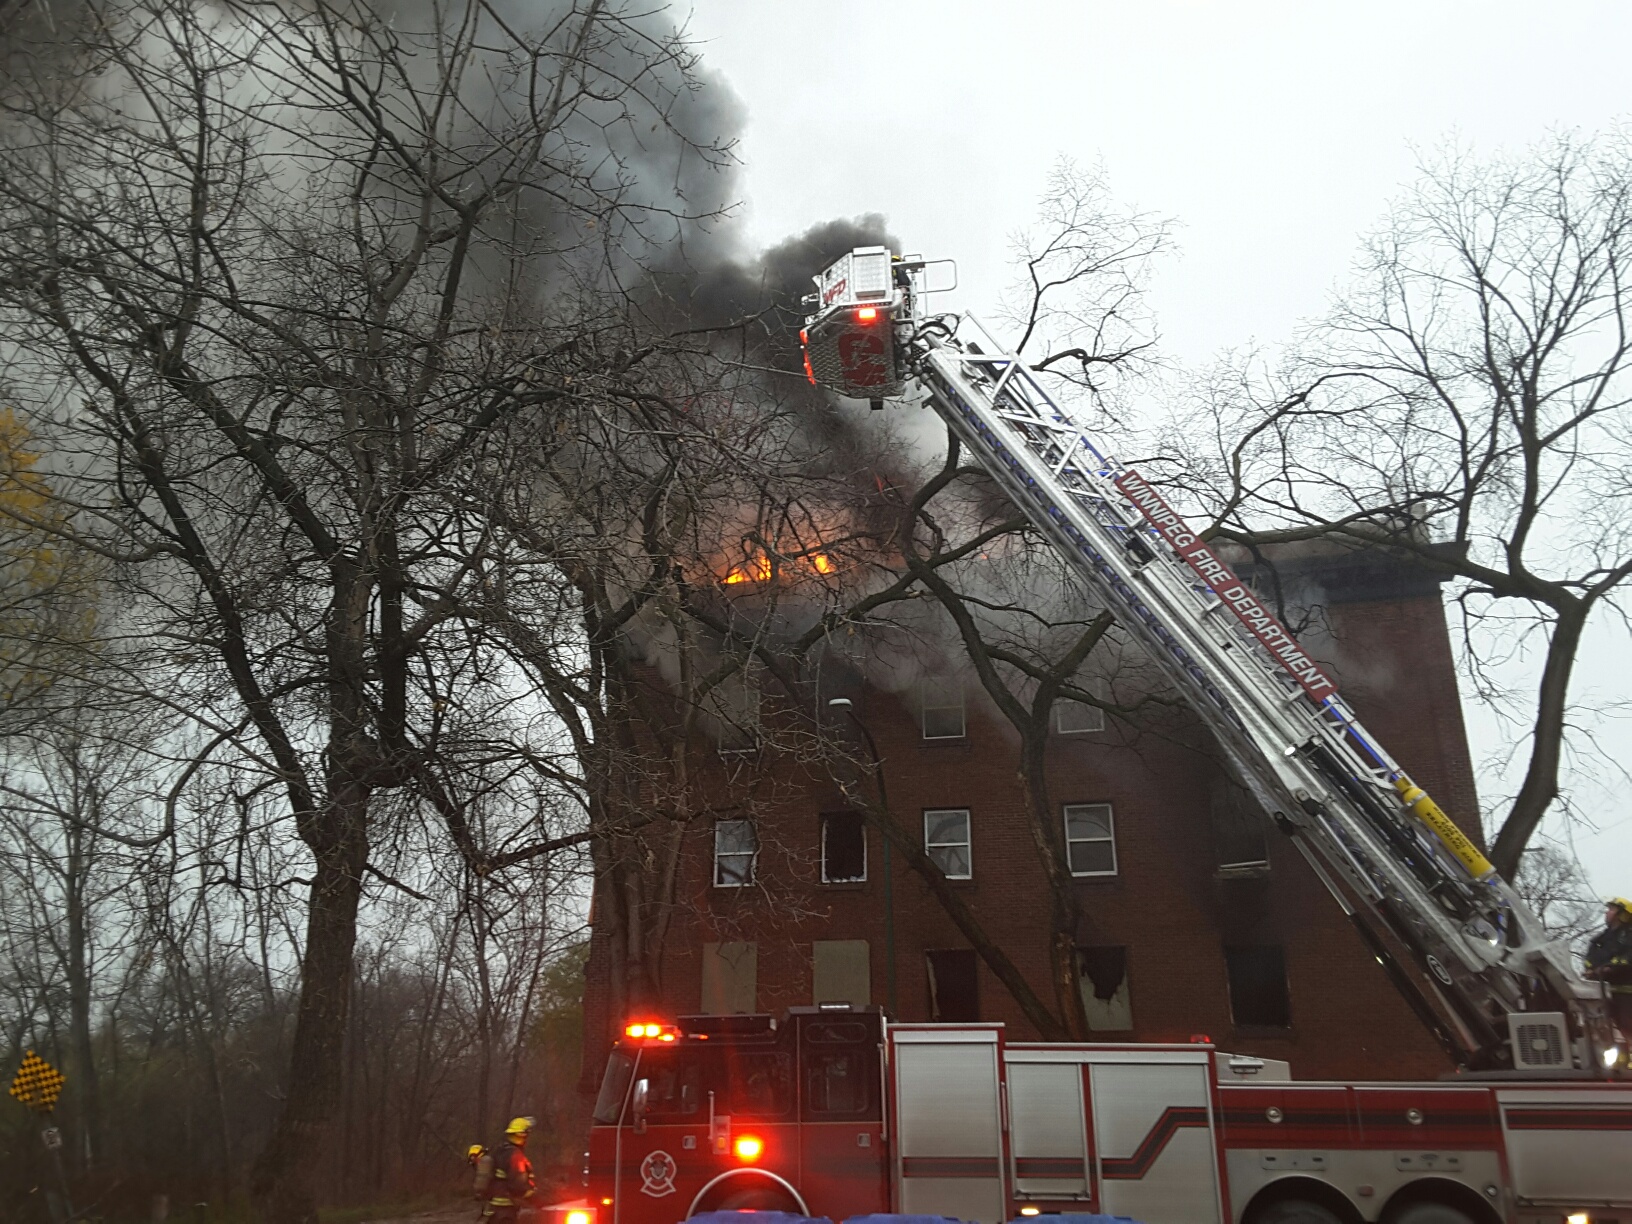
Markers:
point(282, 1182)
point(1065, 967)
point(1541, 778)
point(87, 1090)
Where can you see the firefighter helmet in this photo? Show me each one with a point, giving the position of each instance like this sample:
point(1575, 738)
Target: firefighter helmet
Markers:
point(1621, 903)
point(519, 1126)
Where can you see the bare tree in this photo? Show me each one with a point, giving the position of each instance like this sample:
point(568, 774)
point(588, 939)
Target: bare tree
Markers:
point(271, 278)
point(1464, 405)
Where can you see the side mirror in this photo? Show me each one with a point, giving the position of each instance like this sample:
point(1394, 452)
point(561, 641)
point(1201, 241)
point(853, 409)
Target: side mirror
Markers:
point(641, 1092)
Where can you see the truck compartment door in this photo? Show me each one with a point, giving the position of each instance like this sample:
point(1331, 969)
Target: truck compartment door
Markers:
point(1047, 1129)
point(1153, 1138)
point(948, 1124)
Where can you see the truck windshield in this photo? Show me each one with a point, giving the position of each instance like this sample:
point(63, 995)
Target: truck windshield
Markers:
point(756, 1083)
point(614, 1087)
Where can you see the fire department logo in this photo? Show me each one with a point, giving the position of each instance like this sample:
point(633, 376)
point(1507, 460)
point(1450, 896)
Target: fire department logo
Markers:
point(657, 1174)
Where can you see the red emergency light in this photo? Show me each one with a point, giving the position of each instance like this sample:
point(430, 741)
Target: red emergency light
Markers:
point(866, 314)
point(648, 1030)
point(749, 1148)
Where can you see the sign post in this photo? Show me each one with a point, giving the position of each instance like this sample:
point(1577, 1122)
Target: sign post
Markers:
point(37, 1085)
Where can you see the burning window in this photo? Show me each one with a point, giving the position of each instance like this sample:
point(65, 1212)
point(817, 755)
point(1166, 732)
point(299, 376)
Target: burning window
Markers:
point(1259, 997)
point(736, 850)
point(941, 710)
point(1090, 839)
point(844, 848)
point(947, 842)
point(954, 990)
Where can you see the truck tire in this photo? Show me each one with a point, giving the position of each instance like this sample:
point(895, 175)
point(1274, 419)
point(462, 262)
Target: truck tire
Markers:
point(1300, 1211)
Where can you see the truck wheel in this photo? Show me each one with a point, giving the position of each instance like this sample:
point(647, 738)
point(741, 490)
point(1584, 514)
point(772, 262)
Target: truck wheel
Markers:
point(1301, 1211)
point(1430, 1213)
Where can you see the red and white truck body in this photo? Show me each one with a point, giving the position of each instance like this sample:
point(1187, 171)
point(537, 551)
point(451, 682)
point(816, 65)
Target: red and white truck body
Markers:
point(839, 1113)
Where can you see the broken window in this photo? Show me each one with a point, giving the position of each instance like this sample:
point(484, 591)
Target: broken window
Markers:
point(844, 848)
point(1259, 997)
point(1105, 995)
point(954, 996)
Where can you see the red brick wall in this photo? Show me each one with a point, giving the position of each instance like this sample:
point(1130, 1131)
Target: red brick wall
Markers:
point(1392, 658)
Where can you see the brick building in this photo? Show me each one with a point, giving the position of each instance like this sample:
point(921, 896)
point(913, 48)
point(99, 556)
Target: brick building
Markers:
point(1201, 918)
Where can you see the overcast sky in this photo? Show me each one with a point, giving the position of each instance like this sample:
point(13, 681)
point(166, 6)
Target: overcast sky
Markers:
point(1274, 134)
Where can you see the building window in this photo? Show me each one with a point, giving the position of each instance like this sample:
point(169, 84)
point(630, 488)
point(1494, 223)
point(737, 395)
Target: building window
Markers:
point(844, 848)
point(946, 841)
point(1239, 844)
point(841, 972)
point(733, 708)
point(730, 979)
point(1090, 839)
point(1258, 993)
point(954, 994)
point(1104, 983)
point(736, 848)
point(941, 709)
point(1077, 717)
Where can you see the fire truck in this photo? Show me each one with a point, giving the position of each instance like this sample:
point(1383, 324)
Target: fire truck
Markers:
point(833, 1111)
point(839, 1112)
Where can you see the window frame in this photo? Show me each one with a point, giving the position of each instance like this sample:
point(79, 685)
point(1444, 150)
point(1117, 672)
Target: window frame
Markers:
point(967, 844)
point(924, 707)
point(824, 820)
point(752, 856)
point(1109, 839)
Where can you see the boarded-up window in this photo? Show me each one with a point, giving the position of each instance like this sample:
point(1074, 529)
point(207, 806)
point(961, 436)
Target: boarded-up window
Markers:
point(1259, 997)
point(730, 978)
point(942, 710)
point(840, 972)
point(954, 993)
point(844, 848)
point(1105, 995)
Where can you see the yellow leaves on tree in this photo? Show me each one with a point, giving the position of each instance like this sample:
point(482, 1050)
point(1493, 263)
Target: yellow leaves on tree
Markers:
point(45, 612)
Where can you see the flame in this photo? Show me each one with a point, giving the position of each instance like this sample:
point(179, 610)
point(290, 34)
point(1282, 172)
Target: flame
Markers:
point(759, 569)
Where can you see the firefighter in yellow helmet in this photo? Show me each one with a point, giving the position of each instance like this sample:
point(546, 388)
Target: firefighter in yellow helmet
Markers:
point(504, 1177)
point(1609, 960)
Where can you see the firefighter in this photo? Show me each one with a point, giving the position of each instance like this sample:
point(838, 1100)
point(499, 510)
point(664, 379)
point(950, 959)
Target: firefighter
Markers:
point(504, 1176)
point(1609, 959)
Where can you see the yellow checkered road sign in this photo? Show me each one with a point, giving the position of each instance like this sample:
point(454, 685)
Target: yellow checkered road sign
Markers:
point(37, 1083)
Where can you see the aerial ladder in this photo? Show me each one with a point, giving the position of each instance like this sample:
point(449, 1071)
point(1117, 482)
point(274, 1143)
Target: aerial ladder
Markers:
point(1497, 991)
